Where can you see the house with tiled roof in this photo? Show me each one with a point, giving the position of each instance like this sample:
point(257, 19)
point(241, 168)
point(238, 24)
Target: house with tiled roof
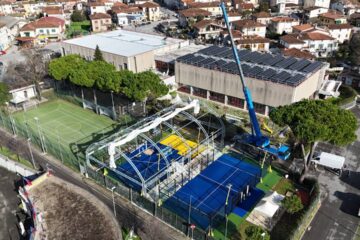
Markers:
point(100, 22)
point(6, 8)
point(332, 17)
point(319, 44)
point(192, 15)
point(311, 13)
point(97, 7)
point(207, 29)
point(294, 52)
point(213, 7)
point(151, 11)
point(126, 15)
point(282, 25)
point(346, 7)
point(42, 31)
point(355, 19)
point(291, 41)
point(302, 27)
point(262, 17)
point(54, 11)
point(246, 6)
point(32, 8)
point(341, 32)
point(250, 27)
point(253, 43)
point(317, 3)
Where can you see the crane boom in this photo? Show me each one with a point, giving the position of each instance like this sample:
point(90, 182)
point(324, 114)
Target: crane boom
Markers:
point(256, 137)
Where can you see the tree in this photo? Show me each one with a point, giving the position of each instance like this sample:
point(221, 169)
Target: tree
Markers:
point(105, 76)
point(292, 204)
point(61, 68)
point(82, 76)
point(77, 16)
point(35, 68)
point(355, 49)
point(312, 121)
point(256, 233)
point(264, 7)
point(4, 93)
point(98, 54)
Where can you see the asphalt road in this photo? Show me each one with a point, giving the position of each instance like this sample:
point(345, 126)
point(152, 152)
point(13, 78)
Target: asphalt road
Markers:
point(8, 206)
point(337, 217)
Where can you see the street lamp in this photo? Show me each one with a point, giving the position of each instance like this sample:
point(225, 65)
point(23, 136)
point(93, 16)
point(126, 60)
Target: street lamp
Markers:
point(113, 105)
point(39, 132)
point(31, 153)
point(113, 199)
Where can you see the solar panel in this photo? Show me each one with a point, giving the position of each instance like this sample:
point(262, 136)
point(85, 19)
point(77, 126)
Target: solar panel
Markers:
point(286, 62)
point(182, 58)
point(225, 53)
point(206, 61)
point(255, 70)
point(195, 59)
point(220, 51)
point(267, 74)
point(274, 60)
point(299, 65)
point(295, 80)
point(207, 50)
point(312, 67)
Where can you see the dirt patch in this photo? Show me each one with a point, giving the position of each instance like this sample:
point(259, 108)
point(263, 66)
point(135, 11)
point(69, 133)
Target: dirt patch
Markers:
point(70, 212)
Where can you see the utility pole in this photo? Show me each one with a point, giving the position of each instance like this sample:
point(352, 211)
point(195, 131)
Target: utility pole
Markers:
point(40, 135)
point(31, 153)
point(113, 199)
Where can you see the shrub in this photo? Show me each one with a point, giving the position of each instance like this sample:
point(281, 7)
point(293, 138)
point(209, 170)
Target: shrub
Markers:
point(256, 233)
point(292, 204)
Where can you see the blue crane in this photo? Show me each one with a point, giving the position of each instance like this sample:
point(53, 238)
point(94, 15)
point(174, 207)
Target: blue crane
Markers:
point(256, 138)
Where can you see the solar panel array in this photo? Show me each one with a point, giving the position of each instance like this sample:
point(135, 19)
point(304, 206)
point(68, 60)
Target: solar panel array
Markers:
point(265, 66)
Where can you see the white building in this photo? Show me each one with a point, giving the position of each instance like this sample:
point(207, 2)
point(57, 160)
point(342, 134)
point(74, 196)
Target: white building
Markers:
point(250, 27)
point(131, 15)
point(346, 7)
point(314, 12)
point(262, 17)
point(6, 8)
point(319, 44)
point(292, 41)
point(274, 3)
point(341, 32)
point(282, 25)
point(22, 94)
point(9, 29)
point(97, 7)
point(317, 3)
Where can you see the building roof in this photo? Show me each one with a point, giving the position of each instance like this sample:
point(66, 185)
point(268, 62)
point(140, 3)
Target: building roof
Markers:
point(203, 4)
point(149, 5)
point(251, 39)
point(332, 15)
point(283, 19)
point(340, 26)
point(263, 66)
point(44, 22)
point(118, 10)
point(262, 15)
point(5, 3)
point(53, 10)
point(312, 8)
point(205, 22)
point(194, 12)
point(10, 21)
point(302, 27)
point(96, 4)
point(124, 43)
point(99, 16)
point(315, 36)
point(294, 52)
point(291, 39)
point(246, 6)
point(247, 23)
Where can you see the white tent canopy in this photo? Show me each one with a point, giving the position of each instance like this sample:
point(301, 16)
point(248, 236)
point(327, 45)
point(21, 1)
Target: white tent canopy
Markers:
point(269, 204)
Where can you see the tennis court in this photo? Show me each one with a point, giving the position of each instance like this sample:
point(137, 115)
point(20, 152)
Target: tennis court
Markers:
point(61, 123)
point(207, 193)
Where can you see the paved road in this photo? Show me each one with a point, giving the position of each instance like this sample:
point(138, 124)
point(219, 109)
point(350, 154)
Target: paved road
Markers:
point(147, 225)
point(337, 217)
point(8, 206)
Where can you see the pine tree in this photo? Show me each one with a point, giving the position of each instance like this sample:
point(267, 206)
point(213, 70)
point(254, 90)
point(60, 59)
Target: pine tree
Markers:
point(98, 54)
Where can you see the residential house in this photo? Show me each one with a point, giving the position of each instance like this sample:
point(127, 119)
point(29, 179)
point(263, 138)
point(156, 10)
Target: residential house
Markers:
point(246, 7)
point(207, 29)
point(290, 8)
point(302, 28)
point(151, 11)
point(292, 41)
point(42, 31)
point(346, 7)
point(234, 16)
point(253, 43)
point(294, 52)
point(33, 8)
point(350, 77)
point(53, 11)
point(282, 25)
point(96, 7)
point(332, 17)
point(262, 17)
point(274, 3)
point(9, 29)
point(192, 15)
point(319, 44)
point(100, 22)
point(6, 8)
point(341, 32)
point(213, 7)
point(128, 15)
point(317, 3)
point(314, 12)
point(250, 27)
point(70, 4)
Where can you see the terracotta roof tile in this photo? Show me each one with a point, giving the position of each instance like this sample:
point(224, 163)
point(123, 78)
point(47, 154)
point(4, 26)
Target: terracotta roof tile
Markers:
point(203, 4)
point(252, 39)
point(45, 22)
point(262, 15)
point(99, 16)
point(298, 53)
point(315, 36)
point(283, 19)
point(149, 5)
point(246, 6)
point(340, 26)
point(291, 39)
point(53, 10)
point(332, 15)
point(194, 12)
point(205, 22)
point(302, 27)
point(246, 23)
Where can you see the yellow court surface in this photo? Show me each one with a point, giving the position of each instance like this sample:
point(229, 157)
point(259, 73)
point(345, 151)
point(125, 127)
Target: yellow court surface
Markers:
point(177, 143)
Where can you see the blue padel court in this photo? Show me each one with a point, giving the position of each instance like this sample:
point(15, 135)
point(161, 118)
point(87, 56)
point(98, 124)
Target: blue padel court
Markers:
point(249, 203)
point(207, 192)
point(148, 162)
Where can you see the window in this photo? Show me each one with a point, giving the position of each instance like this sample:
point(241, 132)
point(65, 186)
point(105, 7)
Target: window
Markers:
point(330, 45)
point(125, 66)
point(41, 30)
point(321, 46)
point(53, 30)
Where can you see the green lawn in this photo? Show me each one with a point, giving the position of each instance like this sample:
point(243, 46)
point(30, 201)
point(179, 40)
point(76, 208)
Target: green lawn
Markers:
point(63, 125)
point(82, 28)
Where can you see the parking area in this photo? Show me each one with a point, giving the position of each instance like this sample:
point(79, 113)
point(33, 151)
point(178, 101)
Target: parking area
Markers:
point(8, 206)
point(337, 217)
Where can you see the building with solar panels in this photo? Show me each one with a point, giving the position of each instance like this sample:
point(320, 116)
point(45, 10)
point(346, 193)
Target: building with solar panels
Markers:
point(273, 79)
